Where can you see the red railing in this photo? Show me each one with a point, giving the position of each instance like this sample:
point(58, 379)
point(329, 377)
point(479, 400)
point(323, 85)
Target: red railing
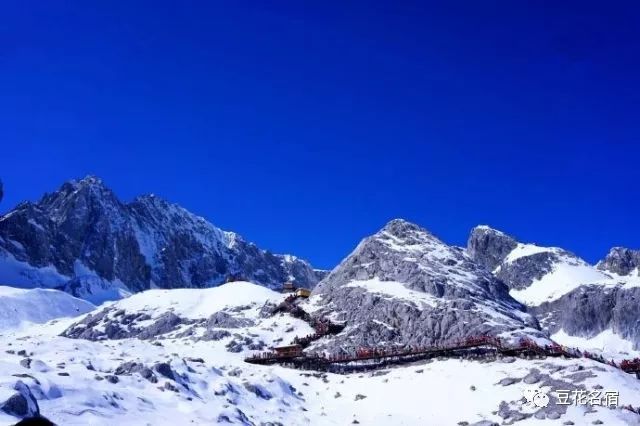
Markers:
point(323, 327)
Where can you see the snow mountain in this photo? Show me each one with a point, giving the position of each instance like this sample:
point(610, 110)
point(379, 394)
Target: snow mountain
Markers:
point(84, 240)
point(177, 355)
point(569, 296)
point(533, 274)
point(404, 286)
point(621, 261)
point(133, 362)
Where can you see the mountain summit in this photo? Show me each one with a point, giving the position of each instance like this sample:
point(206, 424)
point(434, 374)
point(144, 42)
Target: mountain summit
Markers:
point(83, 239)
point(569, 296)
point(403, 285)
point(621, 261)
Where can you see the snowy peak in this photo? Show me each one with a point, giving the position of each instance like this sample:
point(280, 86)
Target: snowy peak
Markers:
point(405, 252)
point(489, 247)
point(565, 293)
point(89, 180)
point(406, 237)
point(153, 214)
point(406, 286)
point(489, 230)
point(89, 189)
point(535, 274)
point(83, 239)
point(407, 233)
point(621, 261)
point(402, 228)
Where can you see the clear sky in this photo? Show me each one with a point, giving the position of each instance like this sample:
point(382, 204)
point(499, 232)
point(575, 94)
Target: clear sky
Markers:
point(307, 127)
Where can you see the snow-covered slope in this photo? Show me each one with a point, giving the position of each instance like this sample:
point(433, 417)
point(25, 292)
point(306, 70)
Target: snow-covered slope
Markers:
point(609, 344)
point(566, 273)
point(180, 377)
point(199, 303)
point(83, 239)
point(214, 315)
point(19, 308)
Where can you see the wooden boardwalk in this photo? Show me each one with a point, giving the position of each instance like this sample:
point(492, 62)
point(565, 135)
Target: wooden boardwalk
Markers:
point(369, 358)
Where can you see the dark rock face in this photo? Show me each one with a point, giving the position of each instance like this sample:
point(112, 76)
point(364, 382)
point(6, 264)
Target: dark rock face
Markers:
point(489, 247)
point(425, 292)
point(21, 404)
point(83, 238)
point(592, 309)
point(621, 261)
point(520, 273)
point(585, 311)
point(518, 269)
point(165, 370)
point(130, 367)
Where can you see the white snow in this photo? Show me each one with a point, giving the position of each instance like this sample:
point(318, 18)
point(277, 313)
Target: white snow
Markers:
point(200, 303)
point(523, 250)
point(608, 343)
point(35, 224)
point(95, 289)
point(436, 393)
point(627, 281)
point(565, 276)
point(19, 307)
point(423, 244)
point(489, 228)
point(395, 290)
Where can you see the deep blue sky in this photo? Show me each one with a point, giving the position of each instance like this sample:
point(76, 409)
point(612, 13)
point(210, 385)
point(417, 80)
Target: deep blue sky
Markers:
point(306, 128)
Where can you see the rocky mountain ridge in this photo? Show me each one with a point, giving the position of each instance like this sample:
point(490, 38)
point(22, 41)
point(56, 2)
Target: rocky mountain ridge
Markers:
point(405, 286)
point(83, 239)
point(136, 360)
point(563, 291)
point(621, 261)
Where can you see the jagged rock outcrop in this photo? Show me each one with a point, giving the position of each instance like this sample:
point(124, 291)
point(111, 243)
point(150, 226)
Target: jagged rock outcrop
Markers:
point(592, 309)
point(621, 261)
point(519, 265)
point(83, 239)
point(563, 291)
point(405, 286)
point(21, 404)
point(489, 247)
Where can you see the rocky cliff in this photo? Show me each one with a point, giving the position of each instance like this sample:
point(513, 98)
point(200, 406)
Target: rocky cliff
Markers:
point(563, 291)
point(403, 285)
point(84, 239)
point(621, 261)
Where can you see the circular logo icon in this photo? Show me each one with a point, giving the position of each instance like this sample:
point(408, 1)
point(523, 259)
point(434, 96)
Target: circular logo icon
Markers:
point(535, 396)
